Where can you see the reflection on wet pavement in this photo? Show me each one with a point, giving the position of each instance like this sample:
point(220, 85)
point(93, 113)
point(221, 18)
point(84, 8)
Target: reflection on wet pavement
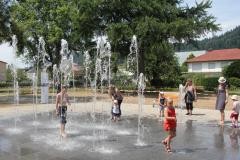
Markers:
point(106, 140)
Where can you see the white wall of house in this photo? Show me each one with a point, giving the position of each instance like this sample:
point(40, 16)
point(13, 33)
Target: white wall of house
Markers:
point(215, 66)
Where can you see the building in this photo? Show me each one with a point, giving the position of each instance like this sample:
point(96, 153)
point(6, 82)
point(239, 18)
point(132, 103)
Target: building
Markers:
point(3, 68)
point(213, 61)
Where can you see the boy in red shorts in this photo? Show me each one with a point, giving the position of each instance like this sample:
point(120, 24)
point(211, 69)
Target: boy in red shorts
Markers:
point(170, 124)
point(235, 113)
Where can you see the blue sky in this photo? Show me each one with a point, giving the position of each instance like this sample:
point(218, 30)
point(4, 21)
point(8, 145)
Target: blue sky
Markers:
point(227, 13)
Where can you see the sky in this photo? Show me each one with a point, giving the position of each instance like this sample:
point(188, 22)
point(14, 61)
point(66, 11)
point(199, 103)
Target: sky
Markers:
point(227, 13)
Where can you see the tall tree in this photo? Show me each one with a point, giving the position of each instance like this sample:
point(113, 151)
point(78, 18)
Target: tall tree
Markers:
point(4, 20)
point(158, 24)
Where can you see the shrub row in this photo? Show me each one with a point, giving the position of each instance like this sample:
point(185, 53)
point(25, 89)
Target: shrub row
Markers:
point(10, 84)
point(234, 82)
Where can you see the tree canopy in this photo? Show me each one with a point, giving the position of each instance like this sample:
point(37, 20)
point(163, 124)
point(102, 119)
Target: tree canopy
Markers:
point(232, 70)
point(156, 23)
point(4, 21)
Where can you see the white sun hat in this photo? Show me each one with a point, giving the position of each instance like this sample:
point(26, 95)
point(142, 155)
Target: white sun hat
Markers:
point(161, 92)
point(221, 80)
point(234, 97)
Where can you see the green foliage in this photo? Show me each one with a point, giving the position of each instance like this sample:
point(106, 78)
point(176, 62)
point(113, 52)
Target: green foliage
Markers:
point(197, 78)
point(21, 76)
point(9, 75)
point(230, 39)
point(210, 83)
point(154, 22)
point(5, 84)
point(234, 82)
point(4, 21)
point(184, 66)
point(233, 70)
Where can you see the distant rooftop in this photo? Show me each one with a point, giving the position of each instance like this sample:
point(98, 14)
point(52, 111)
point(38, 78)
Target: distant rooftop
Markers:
point(218, 55)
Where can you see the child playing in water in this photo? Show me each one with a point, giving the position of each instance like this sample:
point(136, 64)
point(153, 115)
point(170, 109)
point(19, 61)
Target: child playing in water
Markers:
point(169, 124)
point(235, 113)
point(62, 100)
point(162, 103)
point(115, 111)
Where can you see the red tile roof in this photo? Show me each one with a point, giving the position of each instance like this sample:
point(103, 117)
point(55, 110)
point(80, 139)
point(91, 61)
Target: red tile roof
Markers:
point(217, 55)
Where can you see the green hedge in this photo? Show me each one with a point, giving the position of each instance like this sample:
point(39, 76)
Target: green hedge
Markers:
point(197, 78)
point(234, 82)
point(210, 83)
point(5, 84)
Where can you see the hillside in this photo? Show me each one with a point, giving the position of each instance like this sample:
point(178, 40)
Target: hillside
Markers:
point(230, 39)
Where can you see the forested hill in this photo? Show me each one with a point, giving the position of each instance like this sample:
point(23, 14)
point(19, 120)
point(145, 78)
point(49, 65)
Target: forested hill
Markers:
point(230, 39)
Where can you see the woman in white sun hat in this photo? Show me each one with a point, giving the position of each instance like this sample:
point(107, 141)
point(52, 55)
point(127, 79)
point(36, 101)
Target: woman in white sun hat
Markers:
point(222, 98)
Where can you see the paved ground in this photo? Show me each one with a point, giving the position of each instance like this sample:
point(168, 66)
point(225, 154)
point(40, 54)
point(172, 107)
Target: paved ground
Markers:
point(36, 138)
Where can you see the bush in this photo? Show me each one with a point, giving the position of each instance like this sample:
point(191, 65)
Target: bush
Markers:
point(233, 81)
point(5, 84)
point(25, 83)
point(197, 78)
point(210, 83)
point(232, 70)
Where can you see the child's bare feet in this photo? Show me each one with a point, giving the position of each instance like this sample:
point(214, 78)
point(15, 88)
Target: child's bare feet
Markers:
point(165, 144)
point(221, 123)
point(64, 135)
point(169, 150)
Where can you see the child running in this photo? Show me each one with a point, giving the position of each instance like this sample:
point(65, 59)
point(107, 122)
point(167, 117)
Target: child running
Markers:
point(235, 111)
point(169, 124)
point(115, 111)
point(162, 104)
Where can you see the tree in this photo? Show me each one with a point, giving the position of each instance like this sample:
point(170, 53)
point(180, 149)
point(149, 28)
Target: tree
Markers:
point(9, 74)
point(4, 20)
point(158, 24)
point(230, 39)
point(232, 70)
point(53, 20)
point(155, 22)
point(184, 66)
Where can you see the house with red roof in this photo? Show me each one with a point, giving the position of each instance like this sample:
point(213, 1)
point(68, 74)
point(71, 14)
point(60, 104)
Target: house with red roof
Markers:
point(213, 61)
point(3, 67)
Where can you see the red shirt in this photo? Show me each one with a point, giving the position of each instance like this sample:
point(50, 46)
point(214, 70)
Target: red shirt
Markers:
point(170, 124)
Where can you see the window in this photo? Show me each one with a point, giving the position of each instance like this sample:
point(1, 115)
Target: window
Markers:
point(196, 67)
point(211, 65)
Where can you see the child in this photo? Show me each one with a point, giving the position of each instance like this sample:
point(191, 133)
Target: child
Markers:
point(169, 124)
point(62, 100)
point(162, 103)
point(115, 111)
point(235, 113)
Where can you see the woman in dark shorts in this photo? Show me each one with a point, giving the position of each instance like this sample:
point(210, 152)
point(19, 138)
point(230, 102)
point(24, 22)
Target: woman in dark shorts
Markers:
point(62, 100)
point(190, 96)
point(222, 98)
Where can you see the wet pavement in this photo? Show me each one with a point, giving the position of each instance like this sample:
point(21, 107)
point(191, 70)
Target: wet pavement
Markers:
point(106, 140)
